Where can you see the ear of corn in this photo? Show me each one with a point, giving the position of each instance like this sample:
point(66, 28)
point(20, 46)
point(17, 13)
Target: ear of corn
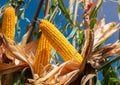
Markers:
point(8, 23)
point(59, 42)
point(42, 55)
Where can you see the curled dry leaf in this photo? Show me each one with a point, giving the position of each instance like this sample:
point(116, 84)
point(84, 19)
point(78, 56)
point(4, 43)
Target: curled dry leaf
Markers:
point(30, 47)
point(16, 52)
point(87, 49)
point(100, 54)
point(87, 78)
point(61, 75)
point(24, 53)
point(102, 31)
point(9, 68)
point(24, 39)
point(108, 50)
point(30, 50)
point(1, 53)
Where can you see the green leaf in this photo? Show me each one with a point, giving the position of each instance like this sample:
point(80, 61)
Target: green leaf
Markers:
point(22, 15)
point(119, 9)
point(53, 15)
point(98, 82)
point(18, 29)
point(20, 2)
point(80, 38)
point(119, 35)
point(22, 76)
point(65, 27)
point(54, 2)
point(93, 22)
point(114, 80)
point(110, 62)
point(93, 16)
point(64, 10)
point(72, 33)
point(110, 75)
point(23, 10)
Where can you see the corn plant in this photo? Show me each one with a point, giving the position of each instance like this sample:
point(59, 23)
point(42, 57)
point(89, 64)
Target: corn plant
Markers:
point(63, 44)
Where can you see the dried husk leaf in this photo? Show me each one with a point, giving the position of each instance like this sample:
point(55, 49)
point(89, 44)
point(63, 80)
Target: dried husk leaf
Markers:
point(1, 53)
point(103, 31)
point(87, 78)
point(30, 50)
point(100, 54)
point(108, 50)
point(9, 68)
point(30, 47)
point(87, 49)
point(61, 75)
point(15, 52)
point(24, 39)
point(25, 54)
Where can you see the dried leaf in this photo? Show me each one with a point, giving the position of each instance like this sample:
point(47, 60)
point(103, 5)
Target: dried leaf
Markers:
point(30, 50)
point(99, 55)
point(61, 75)
point(1, 53)
point(25, 36)
point(87, 49)
point(9, 68)
point(30, 47)
point(103, 31)
point(108, 50)
point(85, 79)
point(16, 52)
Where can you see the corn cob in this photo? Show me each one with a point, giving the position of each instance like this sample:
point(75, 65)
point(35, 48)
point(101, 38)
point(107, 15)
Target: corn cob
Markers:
point(59, 42)
point(8, 23)
point(42, 55)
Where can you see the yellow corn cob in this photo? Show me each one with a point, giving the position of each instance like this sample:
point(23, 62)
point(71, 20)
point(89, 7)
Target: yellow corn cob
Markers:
point(8, 23)
point(59, 42)
point(42, 55)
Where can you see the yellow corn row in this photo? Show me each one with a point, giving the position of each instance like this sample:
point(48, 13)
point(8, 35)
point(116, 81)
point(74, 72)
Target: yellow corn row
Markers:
point(59, 42)
point(8, 23)
point(42, 55)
